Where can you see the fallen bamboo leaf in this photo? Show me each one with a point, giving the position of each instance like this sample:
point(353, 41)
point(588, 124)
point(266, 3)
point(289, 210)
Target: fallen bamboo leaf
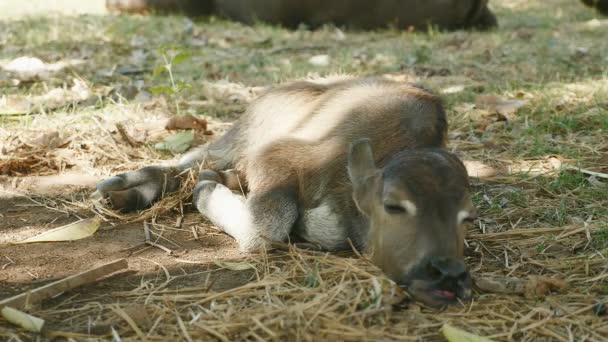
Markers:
point(235, 266)
point(27, 322)
point(585, 171)
point(27, 67)
point(453, 334)
point(478, 169)
point(534, 286)
point(176, 143)
point(73, 231)
point(500, 285)
point(501, 105)
point(57, 287)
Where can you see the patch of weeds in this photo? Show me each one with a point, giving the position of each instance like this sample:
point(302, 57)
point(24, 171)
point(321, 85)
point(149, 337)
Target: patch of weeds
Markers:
point(375, 296)
point(557, 216)
point(540, 247)
point(421, 55)
point(498, 201)
point(312, 278)
point(600, 239)
point(563, 124)
point(171, 56)
point(566, 181)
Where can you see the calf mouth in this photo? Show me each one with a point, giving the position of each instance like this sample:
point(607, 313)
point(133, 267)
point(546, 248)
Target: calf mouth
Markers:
point(439, 293)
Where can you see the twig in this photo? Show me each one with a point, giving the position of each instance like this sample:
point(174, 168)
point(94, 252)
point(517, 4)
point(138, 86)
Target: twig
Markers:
point(55, 288)
point(125, 135)
point(195, 232)
point(167, 250)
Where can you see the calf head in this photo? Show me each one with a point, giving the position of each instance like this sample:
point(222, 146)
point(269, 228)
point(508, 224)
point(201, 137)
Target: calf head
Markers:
point(416, 206)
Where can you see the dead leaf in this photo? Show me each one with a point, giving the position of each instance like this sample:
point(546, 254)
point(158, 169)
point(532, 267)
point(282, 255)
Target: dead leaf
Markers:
point(49, 140)
point(501, 105)
point(500, 284)
point(27, 322)
point(235, 266)
point(478, 169)
point(14, 104)
point(186, 122)
point(20, 166)
point(548, 165)
point(73, 231)
point(176, 143)
point(319, 60)
point(453, 334)
point(540, 286)
point(534, 286)
point(230, 93)
point(29, 67)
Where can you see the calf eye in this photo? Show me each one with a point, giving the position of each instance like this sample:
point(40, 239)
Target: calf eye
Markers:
point(394, 208)
point(465, 216)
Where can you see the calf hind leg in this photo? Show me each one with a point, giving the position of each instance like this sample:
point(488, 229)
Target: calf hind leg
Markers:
point(253, 221)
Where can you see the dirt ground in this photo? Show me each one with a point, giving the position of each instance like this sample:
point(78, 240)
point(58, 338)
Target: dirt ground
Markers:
point(527, 103)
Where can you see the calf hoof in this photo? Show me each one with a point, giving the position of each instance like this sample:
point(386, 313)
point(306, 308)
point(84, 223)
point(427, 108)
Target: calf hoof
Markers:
point(138, 189)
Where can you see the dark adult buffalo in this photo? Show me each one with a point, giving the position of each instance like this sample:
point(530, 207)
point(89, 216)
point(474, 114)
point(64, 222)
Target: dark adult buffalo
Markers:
point(357, 14)
point(600, 5)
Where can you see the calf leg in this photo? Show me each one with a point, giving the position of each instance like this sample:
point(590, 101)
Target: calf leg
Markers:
point(263, 217)
point(140, 188)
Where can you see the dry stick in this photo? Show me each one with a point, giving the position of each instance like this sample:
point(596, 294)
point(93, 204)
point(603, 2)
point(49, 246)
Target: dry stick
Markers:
point(122, 314)
point(529, 231)
point(195, 232)
point(182, 326)
point(178, 222)
point(112, 139)
point(55, 288)
point(125, 135)
point(148, 241)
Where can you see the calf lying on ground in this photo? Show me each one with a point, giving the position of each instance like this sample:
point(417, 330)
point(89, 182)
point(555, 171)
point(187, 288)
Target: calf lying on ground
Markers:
point(361, 14)
point(331, 161)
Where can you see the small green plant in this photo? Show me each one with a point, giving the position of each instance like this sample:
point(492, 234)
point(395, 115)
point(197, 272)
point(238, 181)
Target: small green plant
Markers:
point(171, 56)
point(540, 247)
point(421, 55)
point(312, 276)
point(600, 239)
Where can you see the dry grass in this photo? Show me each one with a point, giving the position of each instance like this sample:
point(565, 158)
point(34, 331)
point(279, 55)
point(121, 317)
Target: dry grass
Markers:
point(299, 295)
point(535, 220)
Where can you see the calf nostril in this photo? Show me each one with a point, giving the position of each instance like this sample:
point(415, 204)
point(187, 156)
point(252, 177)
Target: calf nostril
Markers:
point(447, 267)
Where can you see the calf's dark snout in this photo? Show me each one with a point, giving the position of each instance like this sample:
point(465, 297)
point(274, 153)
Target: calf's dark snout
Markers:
point(446, 267)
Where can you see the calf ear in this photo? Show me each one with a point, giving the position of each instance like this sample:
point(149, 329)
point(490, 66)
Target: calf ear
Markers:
point(360, 160)
point(361, 171)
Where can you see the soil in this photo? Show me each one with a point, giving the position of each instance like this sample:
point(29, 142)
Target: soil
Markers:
point(26, 266)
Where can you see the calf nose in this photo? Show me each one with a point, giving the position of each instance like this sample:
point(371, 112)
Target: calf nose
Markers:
point(447, 267)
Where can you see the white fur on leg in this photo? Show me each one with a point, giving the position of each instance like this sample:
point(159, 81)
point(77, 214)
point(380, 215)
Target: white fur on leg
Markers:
point(229, 212)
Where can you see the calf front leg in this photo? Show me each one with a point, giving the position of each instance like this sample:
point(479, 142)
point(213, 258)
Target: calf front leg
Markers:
point(263, 217)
